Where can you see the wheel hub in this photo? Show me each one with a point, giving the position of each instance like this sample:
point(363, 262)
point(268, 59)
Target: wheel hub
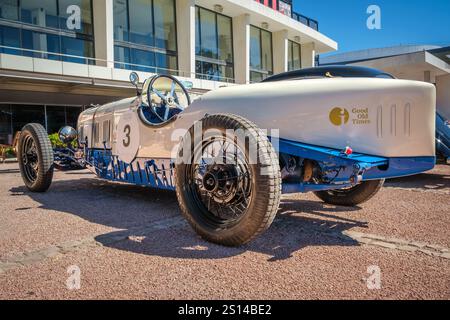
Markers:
point(210, 182)
point(221, 183)
point(25, 159)
point(170, 100)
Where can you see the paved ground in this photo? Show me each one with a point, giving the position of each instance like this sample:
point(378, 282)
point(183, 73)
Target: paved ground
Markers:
point(130, 242)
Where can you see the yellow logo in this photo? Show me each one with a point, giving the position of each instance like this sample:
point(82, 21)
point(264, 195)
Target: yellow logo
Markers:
point(339, 116)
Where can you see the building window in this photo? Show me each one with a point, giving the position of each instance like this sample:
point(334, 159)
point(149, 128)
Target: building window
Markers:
point(73, 48)
point(294, 56)
point(56, 118)
point(60, 116)
point(14, 117)
point(6, 126)
point(261, 61)
point(165, 25)
point(214, 46)
point(145, 36)
point(43, 13)
point(24, 114)
point(48, 29)
point(9, 10)
point(9, 39)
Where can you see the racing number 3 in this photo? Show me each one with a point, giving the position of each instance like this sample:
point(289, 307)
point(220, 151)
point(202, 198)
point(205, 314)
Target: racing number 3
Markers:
point(128, 137)
point(127, 131)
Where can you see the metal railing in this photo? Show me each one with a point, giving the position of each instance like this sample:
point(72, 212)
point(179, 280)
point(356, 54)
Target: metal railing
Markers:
point(305, 20)
point(91, 63)
point(296, 16)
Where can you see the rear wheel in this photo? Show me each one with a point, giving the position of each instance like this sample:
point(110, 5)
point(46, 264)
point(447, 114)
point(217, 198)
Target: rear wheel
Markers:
point(231, 201)
point(351, 196)
point(35, 156)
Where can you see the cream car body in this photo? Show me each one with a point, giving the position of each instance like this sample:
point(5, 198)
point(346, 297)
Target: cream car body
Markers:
point(387, 117)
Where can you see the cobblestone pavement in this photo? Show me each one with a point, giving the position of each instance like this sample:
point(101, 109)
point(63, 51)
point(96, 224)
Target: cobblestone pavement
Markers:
point(131, 242)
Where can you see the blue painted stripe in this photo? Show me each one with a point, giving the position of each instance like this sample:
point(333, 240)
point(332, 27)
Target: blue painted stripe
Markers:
point(373, 167)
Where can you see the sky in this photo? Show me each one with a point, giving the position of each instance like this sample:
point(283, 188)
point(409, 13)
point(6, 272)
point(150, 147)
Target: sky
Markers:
point(402, 22)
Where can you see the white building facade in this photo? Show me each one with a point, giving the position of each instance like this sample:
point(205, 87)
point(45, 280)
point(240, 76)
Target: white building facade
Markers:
point(59, 56)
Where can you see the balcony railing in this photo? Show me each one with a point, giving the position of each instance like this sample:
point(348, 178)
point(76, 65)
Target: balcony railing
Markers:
point(285, 7)
point(306, 21)
point(92, 63)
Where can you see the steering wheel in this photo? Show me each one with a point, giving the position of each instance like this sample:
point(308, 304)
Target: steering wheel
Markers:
point(167, 97)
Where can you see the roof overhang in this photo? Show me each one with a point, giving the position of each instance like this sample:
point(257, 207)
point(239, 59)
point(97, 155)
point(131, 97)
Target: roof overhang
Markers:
point(276, 20)
point(409, 66)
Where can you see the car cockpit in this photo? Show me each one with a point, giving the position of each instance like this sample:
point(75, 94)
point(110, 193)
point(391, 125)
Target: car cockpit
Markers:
point(163, 98)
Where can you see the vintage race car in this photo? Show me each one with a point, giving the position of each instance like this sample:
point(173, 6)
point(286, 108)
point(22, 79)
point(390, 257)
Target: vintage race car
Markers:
point(230, 154)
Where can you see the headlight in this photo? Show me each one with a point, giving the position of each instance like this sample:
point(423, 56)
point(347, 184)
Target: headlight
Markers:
point(67, 134)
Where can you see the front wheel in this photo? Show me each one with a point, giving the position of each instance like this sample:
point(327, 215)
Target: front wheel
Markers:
point(225, 195)
point(351, 196)
point(35, 156)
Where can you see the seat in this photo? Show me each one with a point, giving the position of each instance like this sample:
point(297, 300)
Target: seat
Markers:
point(153, 119)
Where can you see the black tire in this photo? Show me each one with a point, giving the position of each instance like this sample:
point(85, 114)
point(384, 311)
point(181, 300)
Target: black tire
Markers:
point(441, 158)
point(352, 196)
point(262, 203)
point(35, 156)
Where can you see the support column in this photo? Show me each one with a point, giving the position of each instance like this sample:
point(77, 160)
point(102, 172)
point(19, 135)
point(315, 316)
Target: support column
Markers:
point(241, 36)
point(443, 95)
point(280, 51)
point(186, 37)
point(308, 55)
point(104, 32)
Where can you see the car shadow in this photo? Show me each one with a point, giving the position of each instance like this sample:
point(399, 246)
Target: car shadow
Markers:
point(299, 223)
point(9, 171)
point(425, 181)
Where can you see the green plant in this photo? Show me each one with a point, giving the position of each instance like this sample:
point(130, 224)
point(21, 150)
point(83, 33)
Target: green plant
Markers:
point(57, 143)
point(9, 152)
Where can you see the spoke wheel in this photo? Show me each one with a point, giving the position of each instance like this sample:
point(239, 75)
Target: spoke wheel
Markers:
point(35, 156)
point(227, 197)
point(30, 159)
point(224, 187)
